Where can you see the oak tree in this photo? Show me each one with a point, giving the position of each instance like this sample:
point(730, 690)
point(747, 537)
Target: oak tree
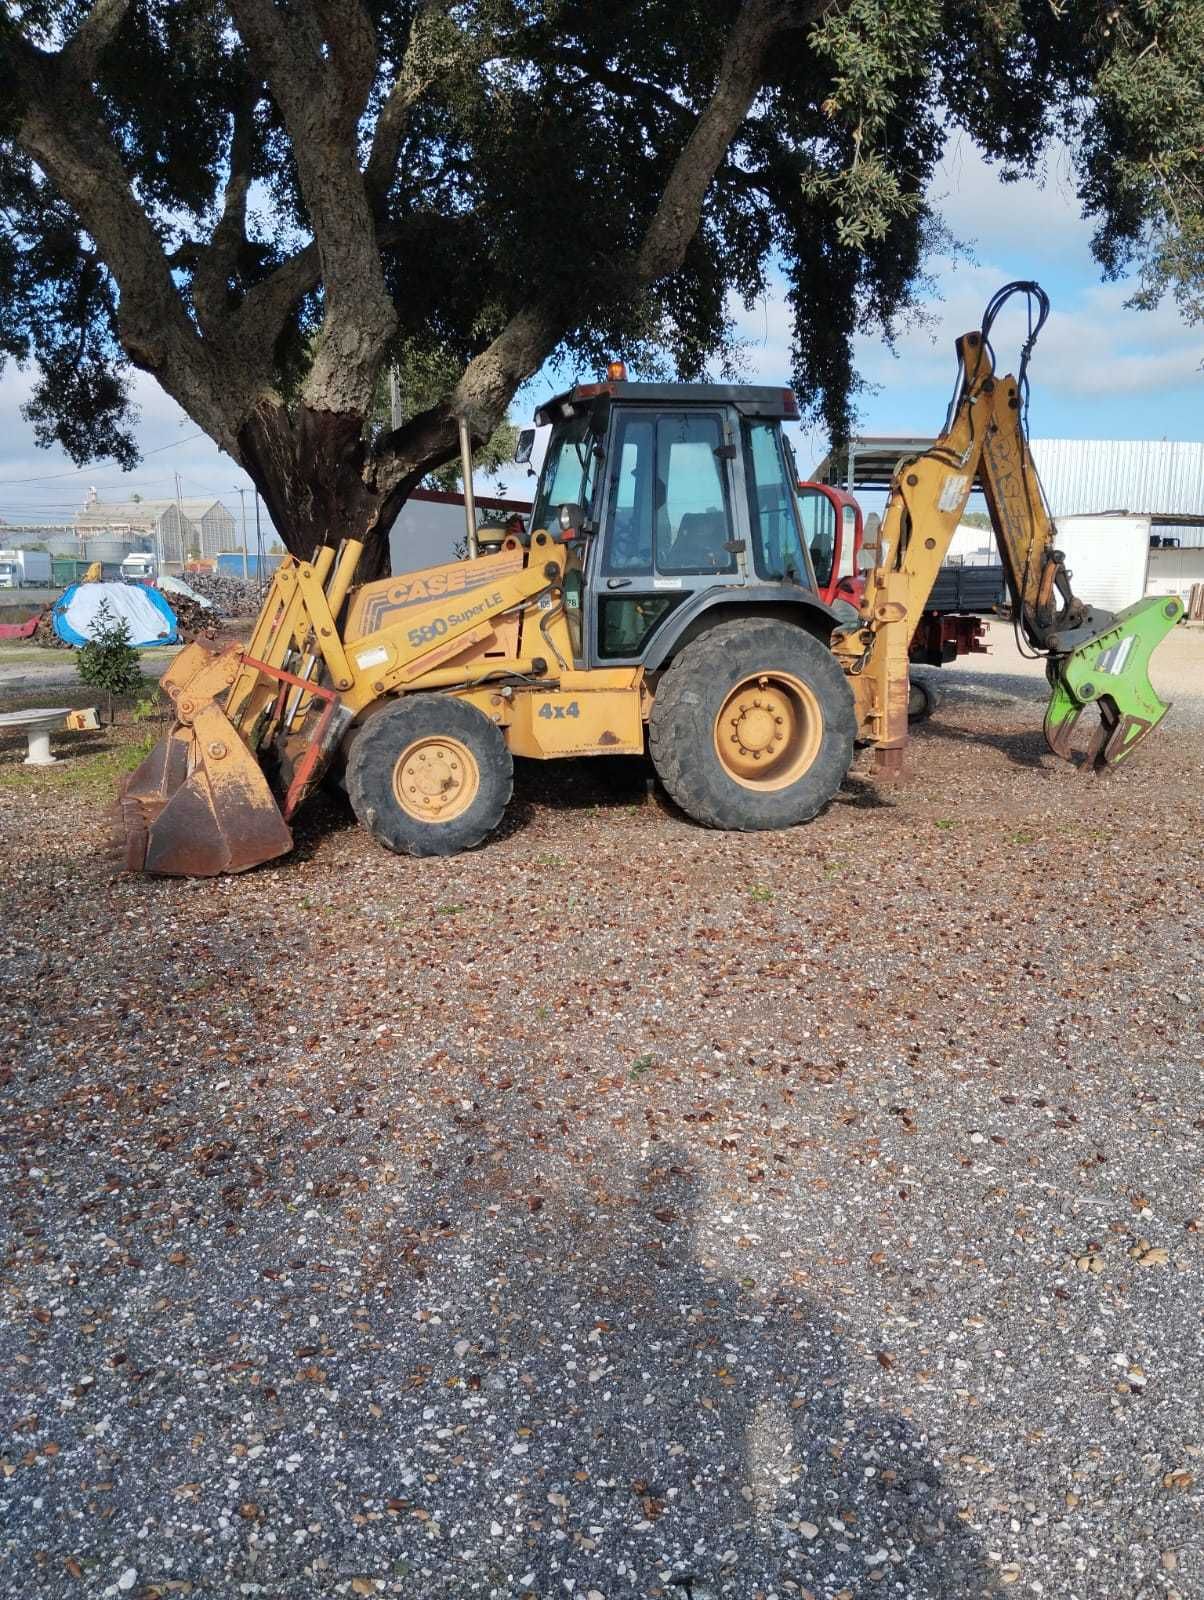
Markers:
point(261, 202)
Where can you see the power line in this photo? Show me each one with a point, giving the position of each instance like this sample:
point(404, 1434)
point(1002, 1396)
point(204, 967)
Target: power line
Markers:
point(79, 471)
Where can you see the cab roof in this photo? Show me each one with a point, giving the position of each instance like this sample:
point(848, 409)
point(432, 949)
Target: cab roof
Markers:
point(751, 400)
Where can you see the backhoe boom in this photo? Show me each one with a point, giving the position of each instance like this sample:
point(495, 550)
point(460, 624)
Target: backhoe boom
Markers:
point(1092, 655)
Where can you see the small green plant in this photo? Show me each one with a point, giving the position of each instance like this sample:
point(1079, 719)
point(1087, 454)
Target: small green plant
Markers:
point(945, 822)
point(641, 1065)
point(760, 894)
point(108, 661)
point(146, 709)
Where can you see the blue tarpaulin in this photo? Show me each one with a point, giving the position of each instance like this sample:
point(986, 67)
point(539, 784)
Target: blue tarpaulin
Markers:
point(149, 617)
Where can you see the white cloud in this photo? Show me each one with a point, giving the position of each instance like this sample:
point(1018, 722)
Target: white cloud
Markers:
point(1040, 215)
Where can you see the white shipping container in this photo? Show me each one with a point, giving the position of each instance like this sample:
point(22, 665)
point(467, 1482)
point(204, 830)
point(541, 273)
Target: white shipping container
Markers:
point(1175, 571)
point(1107, 556)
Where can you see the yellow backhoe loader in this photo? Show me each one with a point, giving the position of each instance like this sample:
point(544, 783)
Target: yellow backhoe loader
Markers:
point(664, 599)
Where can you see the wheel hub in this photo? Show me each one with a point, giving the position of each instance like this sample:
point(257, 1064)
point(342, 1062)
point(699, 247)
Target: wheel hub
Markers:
point(436, 779)
point(768, 731)
point(760, 725)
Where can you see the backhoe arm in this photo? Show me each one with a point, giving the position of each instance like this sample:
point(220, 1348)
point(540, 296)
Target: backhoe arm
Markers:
point(1092, 656)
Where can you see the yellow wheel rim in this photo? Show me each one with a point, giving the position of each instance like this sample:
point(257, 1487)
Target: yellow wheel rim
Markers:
point(436, 779)
point(768, 731)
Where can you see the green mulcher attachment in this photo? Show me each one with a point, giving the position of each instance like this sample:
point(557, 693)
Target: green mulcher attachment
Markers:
point(1111, 669)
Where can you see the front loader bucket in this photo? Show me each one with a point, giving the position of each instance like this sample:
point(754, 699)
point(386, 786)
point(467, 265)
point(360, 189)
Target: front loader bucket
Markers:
point(1111, 670)
point(199, 805)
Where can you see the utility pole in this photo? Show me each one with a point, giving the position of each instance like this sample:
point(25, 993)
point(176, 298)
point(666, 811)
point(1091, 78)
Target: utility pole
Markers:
point(180, 517)
point(242, 495)
point(259, 561)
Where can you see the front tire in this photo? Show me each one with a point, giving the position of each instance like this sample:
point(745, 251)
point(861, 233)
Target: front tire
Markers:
point(752, 726)
point(429, 776)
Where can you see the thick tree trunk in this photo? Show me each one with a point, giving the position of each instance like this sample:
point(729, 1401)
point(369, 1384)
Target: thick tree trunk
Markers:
point(321, 482)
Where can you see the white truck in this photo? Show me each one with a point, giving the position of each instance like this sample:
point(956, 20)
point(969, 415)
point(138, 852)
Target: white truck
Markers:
point(24, 569)
point(139, 566)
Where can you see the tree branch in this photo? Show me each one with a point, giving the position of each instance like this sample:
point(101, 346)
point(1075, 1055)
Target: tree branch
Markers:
point(83, 49)
point(532, 334)
point(321, 105)
point(621, 83)
point(60, 127)
point(741, 74)
point(420, 65)
point(216, 261)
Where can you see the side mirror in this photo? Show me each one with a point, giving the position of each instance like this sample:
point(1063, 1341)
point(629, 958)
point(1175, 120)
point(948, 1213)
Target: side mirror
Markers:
point(525, 445)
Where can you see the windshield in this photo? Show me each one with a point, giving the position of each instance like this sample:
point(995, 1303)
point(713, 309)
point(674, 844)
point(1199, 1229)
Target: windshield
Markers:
point(568, 471)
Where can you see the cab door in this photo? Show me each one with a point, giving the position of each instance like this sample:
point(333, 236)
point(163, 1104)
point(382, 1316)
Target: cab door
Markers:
point(667, 527)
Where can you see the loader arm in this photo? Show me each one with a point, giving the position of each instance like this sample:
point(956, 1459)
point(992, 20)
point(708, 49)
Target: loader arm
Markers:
point(258, 724)
point(1091, 655)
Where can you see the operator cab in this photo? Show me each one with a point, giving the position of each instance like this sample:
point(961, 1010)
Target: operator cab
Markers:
point(673, 498)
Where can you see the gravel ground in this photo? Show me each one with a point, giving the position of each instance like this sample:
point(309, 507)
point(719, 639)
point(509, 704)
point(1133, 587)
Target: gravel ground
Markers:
point(622, 1209)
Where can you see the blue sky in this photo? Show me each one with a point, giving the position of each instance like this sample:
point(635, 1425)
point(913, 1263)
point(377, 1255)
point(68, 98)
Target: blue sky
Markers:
point(1100, 371)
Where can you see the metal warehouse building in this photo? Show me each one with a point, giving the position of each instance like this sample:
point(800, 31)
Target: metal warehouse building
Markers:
point(1142, 498)
point(175, 529)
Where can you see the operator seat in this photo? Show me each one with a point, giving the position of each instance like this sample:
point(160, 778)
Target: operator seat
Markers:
point(699, 544)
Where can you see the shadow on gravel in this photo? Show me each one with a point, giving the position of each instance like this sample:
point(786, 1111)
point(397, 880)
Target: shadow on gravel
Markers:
point(1023, 749)
point(720, 1408)
point(989, 688)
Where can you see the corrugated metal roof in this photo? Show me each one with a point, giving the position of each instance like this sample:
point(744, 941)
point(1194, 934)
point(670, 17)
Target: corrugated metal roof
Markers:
point(144, 510)
point(1153, 477)
point(1159, 476)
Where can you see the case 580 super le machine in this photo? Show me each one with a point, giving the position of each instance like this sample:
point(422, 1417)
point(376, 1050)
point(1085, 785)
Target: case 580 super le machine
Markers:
point(666, 599)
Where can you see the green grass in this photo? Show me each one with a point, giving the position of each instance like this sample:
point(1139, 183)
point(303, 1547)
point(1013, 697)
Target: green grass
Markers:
point(92, 769)
point(760, 894)
point(641, 1065)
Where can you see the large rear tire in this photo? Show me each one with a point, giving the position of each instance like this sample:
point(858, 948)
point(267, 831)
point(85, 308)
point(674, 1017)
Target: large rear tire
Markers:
point(752, 726)
point(429, 776)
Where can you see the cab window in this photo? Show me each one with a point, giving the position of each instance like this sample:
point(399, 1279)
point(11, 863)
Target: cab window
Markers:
point(691, 520)
point(629, 540)
point(819, 531)
point(568, 471)
point(777, 550)
point(667, 499)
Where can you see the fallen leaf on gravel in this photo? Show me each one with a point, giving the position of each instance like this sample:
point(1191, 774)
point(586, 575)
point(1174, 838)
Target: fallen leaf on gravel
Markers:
point(1155, 1257)
point(1180, 1478)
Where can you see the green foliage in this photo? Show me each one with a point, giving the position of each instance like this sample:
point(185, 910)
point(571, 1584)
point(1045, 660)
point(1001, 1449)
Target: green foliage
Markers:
point(1145, 166)
point(536, 146)
point(108, 662)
